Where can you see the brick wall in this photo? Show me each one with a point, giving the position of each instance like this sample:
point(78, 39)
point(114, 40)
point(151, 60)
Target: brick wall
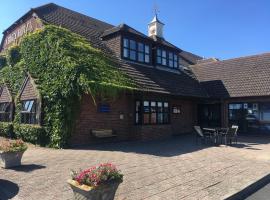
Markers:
point(5, 95)
point(90, 118)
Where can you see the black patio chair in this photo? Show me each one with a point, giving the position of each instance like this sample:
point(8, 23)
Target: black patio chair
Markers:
point(203, 136)
point(231, 135)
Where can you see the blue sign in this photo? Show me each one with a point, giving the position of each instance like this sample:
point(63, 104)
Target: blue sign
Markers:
point(104, 108)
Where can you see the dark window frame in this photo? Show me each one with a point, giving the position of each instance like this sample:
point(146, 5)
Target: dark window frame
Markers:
point(136, 50)
point(29, 116)
point(5, 112)
point(174, 59)
point(140, 112)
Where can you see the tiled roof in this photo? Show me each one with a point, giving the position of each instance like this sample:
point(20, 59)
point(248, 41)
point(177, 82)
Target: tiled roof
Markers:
point(239, 77)
point(148, 79)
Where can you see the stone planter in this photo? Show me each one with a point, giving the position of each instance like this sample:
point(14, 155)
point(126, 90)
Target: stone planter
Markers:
point(10, 159)
point(84, 192)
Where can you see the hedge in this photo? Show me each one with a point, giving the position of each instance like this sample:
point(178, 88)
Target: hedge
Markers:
point(6, 129)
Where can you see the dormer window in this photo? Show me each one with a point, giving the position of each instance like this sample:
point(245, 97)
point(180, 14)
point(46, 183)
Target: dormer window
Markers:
point(136, 51)
point(167, 58)
point(5, 111)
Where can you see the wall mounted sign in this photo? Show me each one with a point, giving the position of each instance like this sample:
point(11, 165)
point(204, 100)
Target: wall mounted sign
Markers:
point(104, 108)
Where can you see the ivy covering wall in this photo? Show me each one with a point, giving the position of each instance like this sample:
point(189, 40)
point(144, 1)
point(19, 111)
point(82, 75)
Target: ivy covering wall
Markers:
point(64, 66)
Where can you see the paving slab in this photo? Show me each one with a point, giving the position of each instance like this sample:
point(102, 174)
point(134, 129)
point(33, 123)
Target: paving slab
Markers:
point(175, 168)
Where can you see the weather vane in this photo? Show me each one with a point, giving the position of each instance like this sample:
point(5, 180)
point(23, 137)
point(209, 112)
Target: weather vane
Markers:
point(156, 10)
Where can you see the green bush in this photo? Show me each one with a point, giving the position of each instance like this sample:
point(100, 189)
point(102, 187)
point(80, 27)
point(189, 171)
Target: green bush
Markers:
point(31, 133)
point(6, 129)
point(3, 61)
point(13, 55)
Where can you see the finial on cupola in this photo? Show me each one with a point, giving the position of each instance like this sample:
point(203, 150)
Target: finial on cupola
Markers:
point(155, 27)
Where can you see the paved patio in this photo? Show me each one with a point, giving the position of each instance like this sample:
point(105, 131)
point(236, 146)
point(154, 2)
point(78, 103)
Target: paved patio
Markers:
point(171, 169)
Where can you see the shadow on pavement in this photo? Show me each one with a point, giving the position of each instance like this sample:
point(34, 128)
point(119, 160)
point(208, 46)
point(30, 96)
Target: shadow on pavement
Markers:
point(8, 189)
point(27, 168)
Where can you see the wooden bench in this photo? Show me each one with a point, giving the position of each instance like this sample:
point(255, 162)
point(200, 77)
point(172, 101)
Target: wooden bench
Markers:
point(103, 133)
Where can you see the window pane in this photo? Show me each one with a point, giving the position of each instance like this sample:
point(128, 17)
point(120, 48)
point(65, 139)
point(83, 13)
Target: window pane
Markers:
point(125, 53)
point(25, 105)
point(146, 118)
point(138, 104)
point(153, 106)
point(146, 58)
point(265, 111)
point(132, 44)
point(125, 42)
point(137, 118)
point(140, 47)
point(153, 118)
point(146, 108)
point(175, 64)
point(163, 54)
point(146, 48)
point(160, 118)
point(140, 57)
point(164, 61)
point(175, 57)
point(132, 55)
point(159, 60)
point(171, 63)
point(158, 52)
point(29, 109)
point(170, 55)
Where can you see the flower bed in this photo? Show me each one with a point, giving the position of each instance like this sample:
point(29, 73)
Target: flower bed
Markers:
point(99, 182)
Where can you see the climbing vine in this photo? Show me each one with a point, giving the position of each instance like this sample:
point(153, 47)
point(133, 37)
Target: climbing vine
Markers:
point(64, 66)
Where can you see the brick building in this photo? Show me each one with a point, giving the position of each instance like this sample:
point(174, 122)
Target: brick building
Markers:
point(176, 89)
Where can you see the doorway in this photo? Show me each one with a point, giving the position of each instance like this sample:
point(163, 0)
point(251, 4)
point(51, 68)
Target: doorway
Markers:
point(209, 115)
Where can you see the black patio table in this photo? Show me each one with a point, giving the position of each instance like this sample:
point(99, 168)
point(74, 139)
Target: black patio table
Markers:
point(217, 133)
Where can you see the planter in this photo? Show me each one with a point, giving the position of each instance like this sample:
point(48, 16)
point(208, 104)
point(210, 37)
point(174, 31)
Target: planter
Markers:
point(10, 159)
point(102, 192)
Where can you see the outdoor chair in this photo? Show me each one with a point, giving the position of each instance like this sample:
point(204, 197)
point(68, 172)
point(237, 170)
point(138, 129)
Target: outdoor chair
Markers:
point(203, 136)
point(231, 135)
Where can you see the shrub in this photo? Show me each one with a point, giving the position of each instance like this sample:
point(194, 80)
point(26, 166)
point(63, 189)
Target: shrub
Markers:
point(13, 55)
point(6, 129)
point(3, 61)
point(12, 146)
point(95, 176)
point(31, 133)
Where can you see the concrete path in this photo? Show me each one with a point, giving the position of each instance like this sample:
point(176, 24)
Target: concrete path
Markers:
point(170, 169)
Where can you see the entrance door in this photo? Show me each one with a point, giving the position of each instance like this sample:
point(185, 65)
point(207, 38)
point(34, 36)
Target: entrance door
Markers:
point(209, 115)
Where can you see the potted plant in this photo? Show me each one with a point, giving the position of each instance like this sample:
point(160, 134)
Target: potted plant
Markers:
point(11, 152)
point(96, 183)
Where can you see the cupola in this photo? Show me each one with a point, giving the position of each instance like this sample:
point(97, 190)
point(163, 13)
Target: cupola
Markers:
point(155, 28)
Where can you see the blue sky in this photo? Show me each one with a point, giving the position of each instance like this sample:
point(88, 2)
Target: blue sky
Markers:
point(210, 28)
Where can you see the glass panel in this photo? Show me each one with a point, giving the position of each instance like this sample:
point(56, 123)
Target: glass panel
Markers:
point(163, 53)
point(125, 42)
point(146, 118)
point(164, 61)
point(146, 58)
point(137, 118)
point(29, 109)
point(140, 47)
point(170, 55)
point(158, 60)
point(171, 63)
point(265, 111)
point(132, 44)
point(153, 118)
point(160, 118)
point(166, 118)
point(175, 57)
point(138, 103)
point(175, 64)
point(141, 57)
point(146, 48)
point(158, 52)
point(125, 53)
point(25, 105)
point(160, 107)
point(132, 55)
point(153, 106)
point(146, 106)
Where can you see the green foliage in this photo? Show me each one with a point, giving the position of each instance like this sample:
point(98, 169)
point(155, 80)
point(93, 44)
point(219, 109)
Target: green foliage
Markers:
point(6, 129)
point(3, 61)
point(64, 67)
point(13, 55)
point(31, 133)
